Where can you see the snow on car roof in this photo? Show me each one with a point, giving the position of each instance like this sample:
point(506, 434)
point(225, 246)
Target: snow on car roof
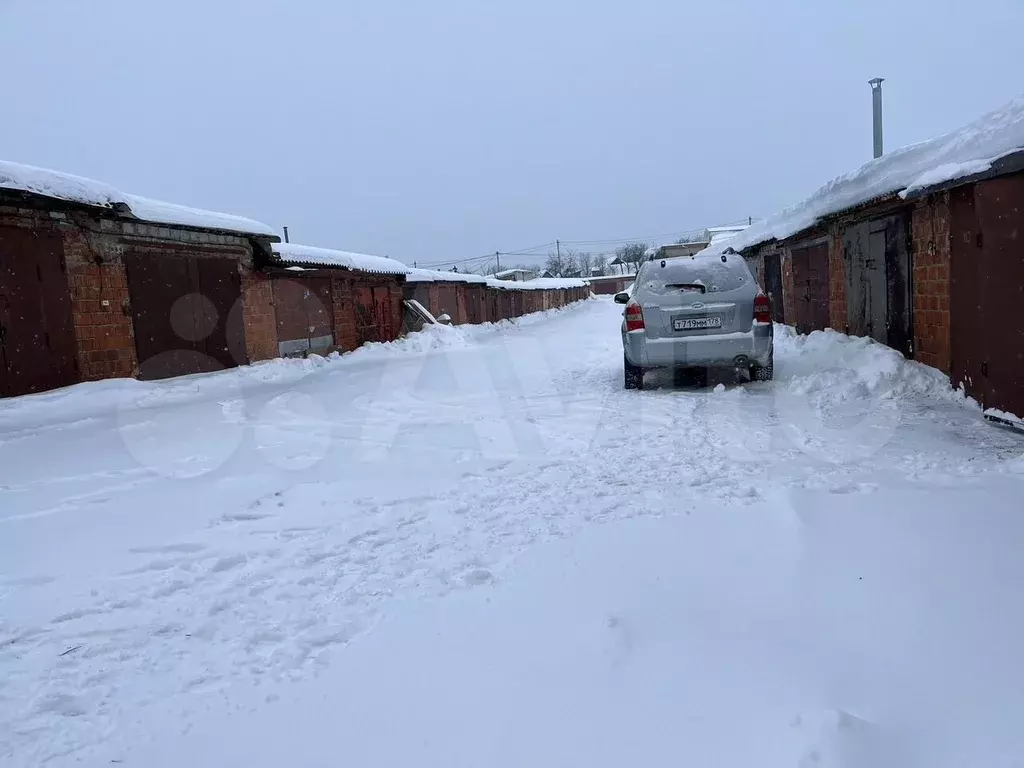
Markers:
point(79, 189)
point(964, 152)
point(295, 254)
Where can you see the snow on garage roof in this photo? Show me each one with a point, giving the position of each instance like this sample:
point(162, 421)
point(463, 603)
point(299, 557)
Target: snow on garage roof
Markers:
point(538, 283)
point(515, 271)
point(304, 255)
point(78, 189)
point(964, 152)
point(437, 276)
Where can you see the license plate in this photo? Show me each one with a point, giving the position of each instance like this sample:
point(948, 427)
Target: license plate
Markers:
point(696, 323)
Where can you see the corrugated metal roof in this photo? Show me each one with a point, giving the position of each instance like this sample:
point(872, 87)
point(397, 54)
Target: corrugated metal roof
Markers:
point(293, 254)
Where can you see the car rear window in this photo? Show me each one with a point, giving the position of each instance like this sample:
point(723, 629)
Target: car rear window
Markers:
point(713, 275)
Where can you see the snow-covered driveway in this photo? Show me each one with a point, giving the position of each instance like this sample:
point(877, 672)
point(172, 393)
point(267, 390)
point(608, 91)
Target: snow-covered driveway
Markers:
point(174, 552)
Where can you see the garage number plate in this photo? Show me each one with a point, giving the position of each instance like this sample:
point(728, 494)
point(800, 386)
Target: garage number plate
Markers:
point(695, 323)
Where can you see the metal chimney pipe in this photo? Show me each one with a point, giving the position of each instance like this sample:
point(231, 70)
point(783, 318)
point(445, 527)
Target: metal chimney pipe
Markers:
point(876, 99)
point(285, 233)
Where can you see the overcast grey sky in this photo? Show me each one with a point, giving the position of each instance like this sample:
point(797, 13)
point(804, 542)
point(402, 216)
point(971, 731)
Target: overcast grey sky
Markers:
point(452, 128)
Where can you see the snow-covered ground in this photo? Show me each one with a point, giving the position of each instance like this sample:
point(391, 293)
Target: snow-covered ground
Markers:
point(473, 547)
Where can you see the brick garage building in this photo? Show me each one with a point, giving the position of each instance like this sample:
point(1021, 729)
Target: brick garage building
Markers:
point(468, 298)
point(308, 299)
point(96, 283)
point(920, 250)
point(968, 243)
point(462, 296)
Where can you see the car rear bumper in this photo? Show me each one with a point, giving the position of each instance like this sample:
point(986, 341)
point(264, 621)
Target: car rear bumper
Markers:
point(711, 351)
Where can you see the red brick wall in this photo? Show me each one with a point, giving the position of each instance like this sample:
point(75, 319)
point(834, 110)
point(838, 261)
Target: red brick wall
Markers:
point(343, 288)
point(100, 309)
point(930, 233)
point(258, 316)
point(837, 283)
point(344, 313)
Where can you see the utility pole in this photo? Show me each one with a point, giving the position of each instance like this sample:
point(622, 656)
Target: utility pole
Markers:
point(497, 258)
point(876, 104)
point(558, 250)
point(285, 234)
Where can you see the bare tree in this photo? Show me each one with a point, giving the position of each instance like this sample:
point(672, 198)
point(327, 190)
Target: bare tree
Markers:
point(580, 261)
point(693, 237)
point(632, 254)
point(556, 264)
point(599, 263)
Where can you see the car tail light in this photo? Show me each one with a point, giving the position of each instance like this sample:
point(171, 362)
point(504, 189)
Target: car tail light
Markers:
point(634, 317)
point(762, 309)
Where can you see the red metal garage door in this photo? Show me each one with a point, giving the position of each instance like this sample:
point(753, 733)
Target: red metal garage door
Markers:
point(37, 338)
point(181, 311)
point(448, 301)
point(304, 307)
point(967, 318)
point(987, 271)
point(810, 283)
point(373, 313)
point(474, 303)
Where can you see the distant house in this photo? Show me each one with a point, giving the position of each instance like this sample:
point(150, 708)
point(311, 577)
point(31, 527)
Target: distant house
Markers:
point(619, 267)
point(716, 235)
point(674, 250)
point(516, 275)
point(709, 237)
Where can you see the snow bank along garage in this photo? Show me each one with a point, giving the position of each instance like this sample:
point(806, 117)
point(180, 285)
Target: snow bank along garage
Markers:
point(922, 250)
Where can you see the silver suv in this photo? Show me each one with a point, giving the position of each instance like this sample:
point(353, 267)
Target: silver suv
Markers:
point(696, 312)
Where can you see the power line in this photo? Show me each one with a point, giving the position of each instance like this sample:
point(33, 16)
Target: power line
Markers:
point(611, 241)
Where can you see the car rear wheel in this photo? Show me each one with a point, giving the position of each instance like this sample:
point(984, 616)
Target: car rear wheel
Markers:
point(634, 375)
point(763, 372)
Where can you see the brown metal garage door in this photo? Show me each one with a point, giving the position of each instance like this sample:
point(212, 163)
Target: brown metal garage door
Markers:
point(474, 303)
point(37, 337)
point(181, 311)
point(373, 313)
point(448, 301)
point(810, 284)
point(304, 307)
point(987, 292)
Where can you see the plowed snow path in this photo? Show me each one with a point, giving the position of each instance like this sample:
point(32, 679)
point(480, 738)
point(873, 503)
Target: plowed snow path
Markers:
point(163, 543)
